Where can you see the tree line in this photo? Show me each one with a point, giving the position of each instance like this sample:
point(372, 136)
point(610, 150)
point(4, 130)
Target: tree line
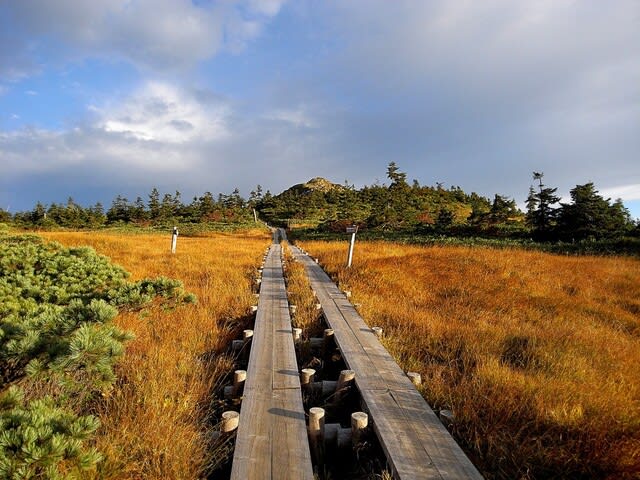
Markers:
point(394, 206)
point(434, 209)
point(156, 210)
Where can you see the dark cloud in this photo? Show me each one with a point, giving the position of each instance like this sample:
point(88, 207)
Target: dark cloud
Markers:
point(476, 94)
point(157, 35)
point(482, 93)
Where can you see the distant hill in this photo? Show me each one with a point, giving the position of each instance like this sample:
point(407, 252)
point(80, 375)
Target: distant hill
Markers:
point(322, 203)
point(316, 184)
point(398, 206)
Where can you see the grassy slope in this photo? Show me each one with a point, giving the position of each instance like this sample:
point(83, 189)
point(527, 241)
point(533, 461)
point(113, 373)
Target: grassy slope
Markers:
point(158, 419)
point(536, 354)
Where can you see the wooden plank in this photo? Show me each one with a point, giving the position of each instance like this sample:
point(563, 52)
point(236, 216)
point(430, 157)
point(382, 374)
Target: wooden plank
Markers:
point(415, 442)
point(285, 365)
point(272, 441)
point(291, 457)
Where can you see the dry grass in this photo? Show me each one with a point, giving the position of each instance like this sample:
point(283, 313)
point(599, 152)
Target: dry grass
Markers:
point(536, 354)
point(300, 294)
point(157, 421)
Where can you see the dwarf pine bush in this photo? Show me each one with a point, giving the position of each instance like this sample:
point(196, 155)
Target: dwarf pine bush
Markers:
point(56, 310)
point(40, 440)
point(56, 305)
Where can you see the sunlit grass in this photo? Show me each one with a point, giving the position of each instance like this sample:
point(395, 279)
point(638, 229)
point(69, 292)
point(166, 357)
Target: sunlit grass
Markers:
point(300, 295)
point(536, 354)
point(158, 420)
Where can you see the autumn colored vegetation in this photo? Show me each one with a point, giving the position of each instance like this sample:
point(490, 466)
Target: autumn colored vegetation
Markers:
point(157, 420)
point(306, 315)
point(536, 354)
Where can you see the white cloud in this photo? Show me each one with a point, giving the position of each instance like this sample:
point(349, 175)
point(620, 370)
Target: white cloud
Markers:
point(269, 8)
point(159, 128)
point(166, 136)
point(298, 117)
point(476, 94)
point(163, 113)
point(625, 192)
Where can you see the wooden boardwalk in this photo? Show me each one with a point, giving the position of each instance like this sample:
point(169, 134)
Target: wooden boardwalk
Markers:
point(272, 440)
point(414, 440)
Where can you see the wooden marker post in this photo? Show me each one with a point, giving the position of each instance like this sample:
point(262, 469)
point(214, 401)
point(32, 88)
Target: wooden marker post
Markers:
point(353, 229)
point(174, 239)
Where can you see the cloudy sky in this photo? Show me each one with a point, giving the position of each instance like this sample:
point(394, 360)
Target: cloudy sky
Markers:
point(108, 97)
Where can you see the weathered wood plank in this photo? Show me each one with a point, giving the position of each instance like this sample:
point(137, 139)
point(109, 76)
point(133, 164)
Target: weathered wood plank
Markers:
point(290, 451)
point(415, 442)
point(272, 441)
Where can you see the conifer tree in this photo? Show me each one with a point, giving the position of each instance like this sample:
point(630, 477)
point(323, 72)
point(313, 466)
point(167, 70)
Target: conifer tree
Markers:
point(154, 204)
point(541, 213)
point(592, 216)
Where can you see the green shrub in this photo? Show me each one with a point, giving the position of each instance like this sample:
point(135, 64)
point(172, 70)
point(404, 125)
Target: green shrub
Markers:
point(56, 310)
point(40, 440)
point(56, 305)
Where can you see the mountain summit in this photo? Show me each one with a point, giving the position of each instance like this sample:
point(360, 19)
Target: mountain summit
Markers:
point(316, 184)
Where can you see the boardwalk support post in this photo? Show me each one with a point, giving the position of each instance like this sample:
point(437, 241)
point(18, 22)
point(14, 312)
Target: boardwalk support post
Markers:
point(328, 342)
point(415, 378)
point(236, 345)
point(247, 335)
point(306, 378)
point(316, 434)
point(239, 376)
point(235, 390)
point(230, 420)
point(359, 423)
point(345, 380)
point(446, 417)
point(297, 334)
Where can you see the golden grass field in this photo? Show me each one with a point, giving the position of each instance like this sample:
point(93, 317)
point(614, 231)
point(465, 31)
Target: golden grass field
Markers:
point(537, 355)
point(299, 293)
point(158, 419)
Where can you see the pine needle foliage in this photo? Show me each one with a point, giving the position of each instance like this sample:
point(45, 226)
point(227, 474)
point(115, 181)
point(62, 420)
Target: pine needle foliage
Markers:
point(57, 305)
point(40, 440)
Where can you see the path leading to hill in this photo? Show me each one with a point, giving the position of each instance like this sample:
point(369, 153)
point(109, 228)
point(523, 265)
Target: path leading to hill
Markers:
point(272, 436)
point(414, 440)
point(272, 441)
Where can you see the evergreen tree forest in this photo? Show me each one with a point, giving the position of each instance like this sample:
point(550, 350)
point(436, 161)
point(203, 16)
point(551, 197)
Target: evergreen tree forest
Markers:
point(58, 348)
point(394, 206)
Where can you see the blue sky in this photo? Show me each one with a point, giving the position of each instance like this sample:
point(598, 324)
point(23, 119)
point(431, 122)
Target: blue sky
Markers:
point(117, 96)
